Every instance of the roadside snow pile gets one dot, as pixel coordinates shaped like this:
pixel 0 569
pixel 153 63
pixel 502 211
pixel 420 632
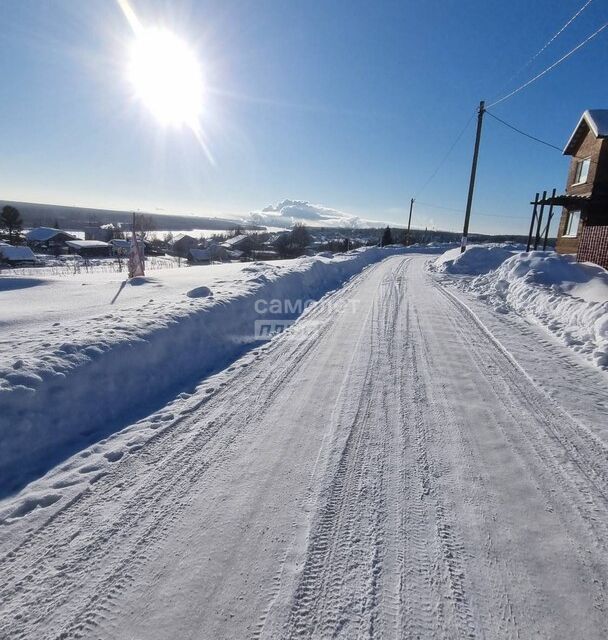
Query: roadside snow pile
pixel 85 358
pixel 477 259
pixel 568 298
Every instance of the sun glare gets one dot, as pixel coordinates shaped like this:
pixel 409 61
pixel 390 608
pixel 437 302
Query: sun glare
pixel 167 77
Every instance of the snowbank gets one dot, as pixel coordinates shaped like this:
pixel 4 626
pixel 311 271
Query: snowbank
pixel 568 298
pixel 477 259
pixel 64 384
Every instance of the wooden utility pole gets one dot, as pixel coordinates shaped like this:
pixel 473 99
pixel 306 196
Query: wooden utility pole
pixel 409 223
pixel 467 215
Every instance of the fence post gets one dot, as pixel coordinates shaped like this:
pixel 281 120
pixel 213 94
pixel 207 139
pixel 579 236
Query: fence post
pixel 539 221
pixel 549 218
pixel 532 223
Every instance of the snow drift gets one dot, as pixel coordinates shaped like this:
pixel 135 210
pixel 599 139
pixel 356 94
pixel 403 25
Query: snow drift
pixel 568 298
pixel 107 371
pixel 477 259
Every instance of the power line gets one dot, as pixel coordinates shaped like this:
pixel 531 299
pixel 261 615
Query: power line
pixel 485 215
pixel 547 44
pixel 445 157
pixel 528 135
pixel 549 68
pixel 523 133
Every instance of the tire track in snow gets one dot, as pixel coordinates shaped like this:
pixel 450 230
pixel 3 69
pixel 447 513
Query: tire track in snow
pixel 533 424
pixel 448 497
pixel 113 548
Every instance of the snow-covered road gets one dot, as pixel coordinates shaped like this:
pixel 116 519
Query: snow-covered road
pixel 388 468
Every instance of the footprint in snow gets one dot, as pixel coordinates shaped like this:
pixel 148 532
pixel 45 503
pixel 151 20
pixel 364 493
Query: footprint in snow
pixel 162 417
pixel 89 468
pixel 62 484
pixel 97 477
pixel 113 456
pixel 34 502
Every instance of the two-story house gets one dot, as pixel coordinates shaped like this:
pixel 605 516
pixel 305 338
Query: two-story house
pixel 583 228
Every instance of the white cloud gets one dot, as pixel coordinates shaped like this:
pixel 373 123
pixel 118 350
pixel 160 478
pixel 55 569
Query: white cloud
pixel 288 212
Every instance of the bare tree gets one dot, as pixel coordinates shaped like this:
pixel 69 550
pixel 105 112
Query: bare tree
pixel 146 226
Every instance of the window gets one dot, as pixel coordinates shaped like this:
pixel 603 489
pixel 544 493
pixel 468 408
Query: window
pixel 571 230
pixel 582 171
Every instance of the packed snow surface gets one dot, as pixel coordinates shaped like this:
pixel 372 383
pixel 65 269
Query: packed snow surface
pixel 568 298
pixel 80 357
pixel 402 462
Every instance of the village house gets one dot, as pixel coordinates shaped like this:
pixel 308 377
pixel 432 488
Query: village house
pixel 119 247
pixel 213 252
pixel 16 256
pixel 104 232
pixel 181 244
pixel 242 243
pixel 88 248
pixel 48 239
pixel 583 227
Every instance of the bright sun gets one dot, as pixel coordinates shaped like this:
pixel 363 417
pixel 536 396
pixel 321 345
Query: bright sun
pixel 167 77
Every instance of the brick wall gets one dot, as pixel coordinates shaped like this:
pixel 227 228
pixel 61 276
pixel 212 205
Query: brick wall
pixel 567 244
pixel 590 147
pixel 597 150
pixel 593 245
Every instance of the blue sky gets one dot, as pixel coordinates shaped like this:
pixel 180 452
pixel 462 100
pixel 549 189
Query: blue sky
pixel 348 104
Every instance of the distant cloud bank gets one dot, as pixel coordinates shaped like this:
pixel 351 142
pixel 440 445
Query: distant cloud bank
pixel 288 212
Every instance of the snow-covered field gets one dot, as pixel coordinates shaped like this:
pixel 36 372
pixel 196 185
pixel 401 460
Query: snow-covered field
pixel 84 356
pixel 69 266
pixel 566 297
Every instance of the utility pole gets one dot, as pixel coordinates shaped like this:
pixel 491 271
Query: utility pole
pixel 467 215
pixel 409 223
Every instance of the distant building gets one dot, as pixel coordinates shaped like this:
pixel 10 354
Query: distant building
pixel 89 248
pixel 241 242
pixel 213 252
pixel 103 233
pixel 583 228
pixel 17 256
pixel 119 247
pixel 48 239
pixel 181 244
pixel 265 253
